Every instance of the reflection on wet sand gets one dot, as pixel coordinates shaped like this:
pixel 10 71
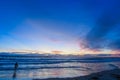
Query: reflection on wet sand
pixel 104 75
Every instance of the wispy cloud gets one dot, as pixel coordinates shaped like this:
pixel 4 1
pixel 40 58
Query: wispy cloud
pixel 57 52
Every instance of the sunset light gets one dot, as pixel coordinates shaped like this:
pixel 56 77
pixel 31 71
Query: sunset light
pixel 59 39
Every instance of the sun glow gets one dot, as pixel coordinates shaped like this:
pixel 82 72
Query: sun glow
pixel 72 52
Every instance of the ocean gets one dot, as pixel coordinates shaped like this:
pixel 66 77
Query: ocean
pixel 33 67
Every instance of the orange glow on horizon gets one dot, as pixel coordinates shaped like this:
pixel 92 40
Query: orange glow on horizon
pixel 57 52
pixel 79 52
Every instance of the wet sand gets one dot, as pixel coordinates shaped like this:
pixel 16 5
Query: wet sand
pixel 104 75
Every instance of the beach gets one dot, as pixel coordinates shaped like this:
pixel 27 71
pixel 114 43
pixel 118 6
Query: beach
pixel 59 39
pixel 104 75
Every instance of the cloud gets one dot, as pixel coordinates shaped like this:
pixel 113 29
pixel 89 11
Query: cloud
pixel 115 45
pixel 97 37
pixel 54 40
pixel 57 52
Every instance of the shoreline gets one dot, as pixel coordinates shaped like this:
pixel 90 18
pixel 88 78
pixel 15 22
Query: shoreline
pixel 104 75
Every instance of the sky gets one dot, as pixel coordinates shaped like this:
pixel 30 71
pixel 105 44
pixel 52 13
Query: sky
pixel 60 26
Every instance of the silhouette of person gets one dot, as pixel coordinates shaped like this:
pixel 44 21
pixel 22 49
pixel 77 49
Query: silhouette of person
pixel 15 68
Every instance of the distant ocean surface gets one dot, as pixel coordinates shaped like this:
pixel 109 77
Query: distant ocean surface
pixel 32 67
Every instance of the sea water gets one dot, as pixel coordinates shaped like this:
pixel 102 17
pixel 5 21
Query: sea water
pixel 39 68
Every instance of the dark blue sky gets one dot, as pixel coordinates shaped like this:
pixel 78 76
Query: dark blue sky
pixel 69 26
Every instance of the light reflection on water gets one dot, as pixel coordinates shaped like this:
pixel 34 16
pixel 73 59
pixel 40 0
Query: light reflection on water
pixel 77 69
